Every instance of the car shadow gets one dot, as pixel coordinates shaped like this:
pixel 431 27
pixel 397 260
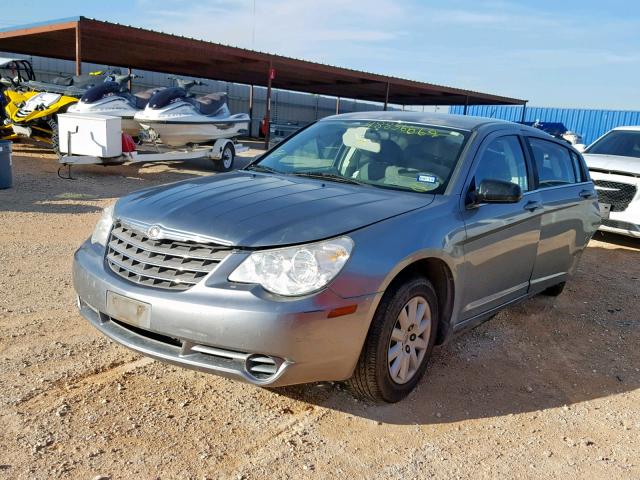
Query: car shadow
pixel 543 353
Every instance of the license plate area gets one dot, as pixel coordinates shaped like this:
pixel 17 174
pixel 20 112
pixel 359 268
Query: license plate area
pixel 605 210
pixel 128 310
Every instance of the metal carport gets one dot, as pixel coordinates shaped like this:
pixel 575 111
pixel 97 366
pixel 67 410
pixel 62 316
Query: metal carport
pixel 82 39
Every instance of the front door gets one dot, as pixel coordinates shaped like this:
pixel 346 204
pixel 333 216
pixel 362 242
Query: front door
pixel 502 239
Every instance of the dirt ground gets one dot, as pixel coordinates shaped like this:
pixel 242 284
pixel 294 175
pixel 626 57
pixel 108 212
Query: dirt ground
pixel 548 389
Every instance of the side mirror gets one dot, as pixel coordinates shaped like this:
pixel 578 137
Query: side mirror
pixel 581 147
pixel 498 191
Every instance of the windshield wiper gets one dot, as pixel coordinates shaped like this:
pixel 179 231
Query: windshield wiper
pixel 261 168
pixel 328 176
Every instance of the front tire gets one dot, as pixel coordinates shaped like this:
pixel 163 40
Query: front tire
pixel 399 343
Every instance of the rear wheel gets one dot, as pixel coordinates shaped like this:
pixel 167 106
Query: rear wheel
pixel 399 343
pixel 225 163
pixel 554 290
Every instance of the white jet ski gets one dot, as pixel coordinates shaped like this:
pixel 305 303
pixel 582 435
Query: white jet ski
pixel 176 118
pixel 114 99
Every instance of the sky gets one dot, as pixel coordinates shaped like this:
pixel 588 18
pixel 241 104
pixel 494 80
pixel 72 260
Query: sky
pixel 583 54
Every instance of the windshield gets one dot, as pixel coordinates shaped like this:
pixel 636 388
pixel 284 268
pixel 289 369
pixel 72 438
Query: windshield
pixel 17 71
pixel 400 155
pixel 618 142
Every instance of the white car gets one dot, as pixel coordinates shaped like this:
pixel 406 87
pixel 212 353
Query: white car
pixel 614 164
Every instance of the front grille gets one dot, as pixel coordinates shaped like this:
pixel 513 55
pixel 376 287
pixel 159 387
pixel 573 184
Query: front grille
pixel 168 264
pixel 617 194
pixel 158 337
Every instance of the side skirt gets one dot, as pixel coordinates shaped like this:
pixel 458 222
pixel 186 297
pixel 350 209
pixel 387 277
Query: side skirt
pixel 483 317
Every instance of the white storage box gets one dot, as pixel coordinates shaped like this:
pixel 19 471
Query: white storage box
pixel 92 135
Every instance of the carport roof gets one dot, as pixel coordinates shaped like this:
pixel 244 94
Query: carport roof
pixel 95 41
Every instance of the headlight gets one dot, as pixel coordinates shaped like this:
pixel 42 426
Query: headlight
pixel 103 227
pixel 295 270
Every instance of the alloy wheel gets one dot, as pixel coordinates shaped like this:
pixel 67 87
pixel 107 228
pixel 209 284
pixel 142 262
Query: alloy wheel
pixel 409 340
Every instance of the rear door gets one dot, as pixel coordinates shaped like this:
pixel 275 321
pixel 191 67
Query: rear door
pixel 502 239
pixel 569 211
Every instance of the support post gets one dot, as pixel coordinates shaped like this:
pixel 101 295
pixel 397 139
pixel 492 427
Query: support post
pixel 250 110
pixel 386 97
pixel 524 111
pixel 466 105
pixel 130 82
pixel 337 105
pixel 267 116
pixel 78 50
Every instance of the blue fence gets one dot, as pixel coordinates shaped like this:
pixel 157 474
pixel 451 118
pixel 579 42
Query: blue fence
pixel 588 123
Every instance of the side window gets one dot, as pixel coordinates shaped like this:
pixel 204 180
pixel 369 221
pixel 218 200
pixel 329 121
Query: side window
pixel 554 164
pixel 577 165
pixel 503 160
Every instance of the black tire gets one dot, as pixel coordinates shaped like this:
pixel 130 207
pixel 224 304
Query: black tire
pixel 554 290
pixel 371 379
pixel 227 159
pixel 55 135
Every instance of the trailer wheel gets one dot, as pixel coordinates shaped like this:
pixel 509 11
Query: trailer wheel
pixel 225 163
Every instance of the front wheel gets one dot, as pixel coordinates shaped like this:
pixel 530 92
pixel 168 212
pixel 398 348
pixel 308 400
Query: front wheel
pixel 225 163
pixel 399 343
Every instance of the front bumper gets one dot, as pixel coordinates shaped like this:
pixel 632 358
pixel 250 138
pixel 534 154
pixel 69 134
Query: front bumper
pixel 626 222
pixel 218 327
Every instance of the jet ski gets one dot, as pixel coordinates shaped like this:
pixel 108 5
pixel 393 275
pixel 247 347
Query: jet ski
pixel 13 72
pixel 114 99
pixel 71 85
pixel 176 118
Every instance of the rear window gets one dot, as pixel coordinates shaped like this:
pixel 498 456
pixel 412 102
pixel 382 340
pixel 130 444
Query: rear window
pixel 554 163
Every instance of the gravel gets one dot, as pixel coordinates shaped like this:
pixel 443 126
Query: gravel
pixel 547 389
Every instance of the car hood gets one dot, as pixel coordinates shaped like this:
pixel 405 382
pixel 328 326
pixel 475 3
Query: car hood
pixel 613 163
pixel 250 209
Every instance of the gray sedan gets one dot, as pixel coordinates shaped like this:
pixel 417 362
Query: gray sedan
pixel 345 253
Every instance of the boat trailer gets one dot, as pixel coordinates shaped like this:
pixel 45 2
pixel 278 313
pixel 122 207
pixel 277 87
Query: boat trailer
pixel 98 140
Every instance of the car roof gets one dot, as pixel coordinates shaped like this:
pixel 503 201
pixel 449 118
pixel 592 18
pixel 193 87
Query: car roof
pixel 463 122
pixel 633 128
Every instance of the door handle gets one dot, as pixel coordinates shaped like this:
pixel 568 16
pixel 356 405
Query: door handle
pixel 586 194
pixel 532 205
